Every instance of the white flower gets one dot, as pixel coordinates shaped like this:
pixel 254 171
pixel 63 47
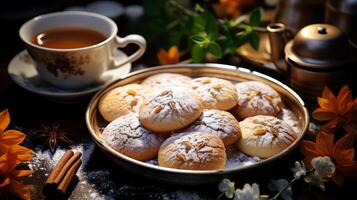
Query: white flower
pixel 248 192
pixel 323 166
pixel 299 170
pixel 279 185
pixel 227 187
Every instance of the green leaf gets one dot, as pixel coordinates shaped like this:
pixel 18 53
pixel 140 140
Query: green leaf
pixel 198 8
pixel 255 17
pixel 215 49
pixel 197 53
pixel 241 38
pixel 199 23
pixel 211 26
pixel 198 38
pixel 237 21
pixel 254 40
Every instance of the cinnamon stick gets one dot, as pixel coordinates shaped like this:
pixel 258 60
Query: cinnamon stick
pixel 50 186
pixel 56 170
pixel 68 177
pixel 62 173
pixel 65 168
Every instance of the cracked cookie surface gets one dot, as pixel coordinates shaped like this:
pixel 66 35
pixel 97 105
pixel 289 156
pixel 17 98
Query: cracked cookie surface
pixel 215 93
pixel 128 137
pixel 167 79
pixel 170 109
pixel 265 136
pixel 193 151
pixel 220 123
pixel 122 100
pixel 256 98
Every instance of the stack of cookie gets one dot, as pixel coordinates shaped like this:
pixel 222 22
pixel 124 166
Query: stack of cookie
pixel 188 123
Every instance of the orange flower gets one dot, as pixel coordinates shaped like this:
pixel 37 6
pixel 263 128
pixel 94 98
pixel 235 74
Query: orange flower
pixel 10 139
pixel 9 175
pixel 172 56
pixel 227 8
pixel 338 110
pixel 231 8
pixel 341 153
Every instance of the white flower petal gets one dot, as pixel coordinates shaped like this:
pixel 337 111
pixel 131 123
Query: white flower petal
pixel 299 170
pixel 227 187
pixel 323 166
pixel 248 192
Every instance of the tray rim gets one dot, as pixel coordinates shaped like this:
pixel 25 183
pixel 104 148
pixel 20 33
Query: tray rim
pixel 234 69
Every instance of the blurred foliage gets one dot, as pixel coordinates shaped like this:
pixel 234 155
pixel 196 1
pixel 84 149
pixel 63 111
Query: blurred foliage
pixel 195 29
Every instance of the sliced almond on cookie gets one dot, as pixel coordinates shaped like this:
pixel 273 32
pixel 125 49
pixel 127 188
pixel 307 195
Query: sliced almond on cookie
pixel 181 156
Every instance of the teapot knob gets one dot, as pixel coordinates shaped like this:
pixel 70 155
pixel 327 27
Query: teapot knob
pixel 321 30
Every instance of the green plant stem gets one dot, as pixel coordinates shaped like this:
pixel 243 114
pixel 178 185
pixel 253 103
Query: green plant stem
pixel 255 28
pixel 220 196
pixel 285 188
pixel 181 8
pixel 243 26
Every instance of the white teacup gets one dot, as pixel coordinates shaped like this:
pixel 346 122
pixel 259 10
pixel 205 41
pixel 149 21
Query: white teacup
pixel 78 67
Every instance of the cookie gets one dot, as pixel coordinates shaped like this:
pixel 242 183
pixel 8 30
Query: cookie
pixel 265 136
pixel 169 109
pixel 193 151
pixel 167 79
pixel 215 93
pixel 126 135
pixel 122 100
pixel 220 123
pixel 256 98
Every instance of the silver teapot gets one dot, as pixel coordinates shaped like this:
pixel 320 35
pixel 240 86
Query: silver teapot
pixel 319 55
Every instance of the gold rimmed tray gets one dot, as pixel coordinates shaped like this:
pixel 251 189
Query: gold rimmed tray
pixel 96 123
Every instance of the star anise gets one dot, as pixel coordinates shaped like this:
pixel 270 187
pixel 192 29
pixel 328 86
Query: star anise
pixel 52 136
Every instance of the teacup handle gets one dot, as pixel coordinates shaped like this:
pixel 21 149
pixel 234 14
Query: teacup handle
pixel 123 42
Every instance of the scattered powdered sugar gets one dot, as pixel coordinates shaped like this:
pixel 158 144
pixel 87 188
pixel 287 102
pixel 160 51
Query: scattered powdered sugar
pixel 44 160
pixel 236 158
pixel 153 162
pixel 92 183
pixel 100 182
pixel 182 195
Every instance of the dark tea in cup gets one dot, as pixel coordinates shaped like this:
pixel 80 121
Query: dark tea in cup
pixel 73 49
pixel 68 38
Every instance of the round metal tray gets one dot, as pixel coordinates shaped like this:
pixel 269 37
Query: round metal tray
pixel 96 123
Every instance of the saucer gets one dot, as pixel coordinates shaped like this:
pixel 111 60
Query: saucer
pixel 23 72
pixel 260 57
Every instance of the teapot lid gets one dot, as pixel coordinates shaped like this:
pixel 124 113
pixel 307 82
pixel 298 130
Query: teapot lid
pixel 319 45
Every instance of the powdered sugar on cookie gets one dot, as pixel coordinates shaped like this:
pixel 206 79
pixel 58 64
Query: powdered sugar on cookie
pixel 127 136
pixel 196 150
pixel 220 123
pixel 170 109
pixel 256 98
pixel 215 93
pixel 265 136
